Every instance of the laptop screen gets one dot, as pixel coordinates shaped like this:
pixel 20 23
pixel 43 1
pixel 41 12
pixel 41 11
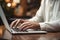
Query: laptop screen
pixel 1 23
pixel 3 17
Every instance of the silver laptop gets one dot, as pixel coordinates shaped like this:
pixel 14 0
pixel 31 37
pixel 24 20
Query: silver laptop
pixel 3 17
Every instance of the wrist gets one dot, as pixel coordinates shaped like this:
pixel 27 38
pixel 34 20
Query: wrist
pixel 42 26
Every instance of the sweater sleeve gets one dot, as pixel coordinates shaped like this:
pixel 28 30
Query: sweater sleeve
pixel 50 26
pixel 39 15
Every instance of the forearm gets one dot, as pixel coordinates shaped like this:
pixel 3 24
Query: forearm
pixel 39 14
pixel 36 19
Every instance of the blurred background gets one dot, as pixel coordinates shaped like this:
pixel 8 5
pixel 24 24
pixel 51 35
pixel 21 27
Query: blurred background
pixel 24 9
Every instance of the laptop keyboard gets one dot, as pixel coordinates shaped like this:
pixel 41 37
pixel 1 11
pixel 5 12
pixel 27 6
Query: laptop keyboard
pixel 17 30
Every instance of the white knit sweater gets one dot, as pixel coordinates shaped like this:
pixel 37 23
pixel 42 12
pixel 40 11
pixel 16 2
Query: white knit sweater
pixel 48 15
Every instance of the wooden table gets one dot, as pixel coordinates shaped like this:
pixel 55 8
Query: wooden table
pixel 1 31
pixel 48 36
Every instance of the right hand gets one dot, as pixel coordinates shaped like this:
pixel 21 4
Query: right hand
pixel 17 22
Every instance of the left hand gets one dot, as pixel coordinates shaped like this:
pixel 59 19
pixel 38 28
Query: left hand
pixel 29 25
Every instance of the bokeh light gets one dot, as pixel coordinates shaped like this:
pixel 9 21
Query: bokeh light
pixel 9 4
pixel 13 4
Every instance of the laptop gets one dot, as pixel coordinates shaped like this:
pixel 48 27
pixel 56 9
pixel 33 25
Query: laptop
pixel 12 31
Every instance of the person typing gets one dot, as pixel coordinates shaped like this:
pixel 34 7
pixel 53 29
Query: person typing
pixel 47 18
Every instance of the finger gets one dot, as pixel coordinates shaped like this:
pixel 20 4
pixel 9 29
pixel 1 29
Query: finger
pixel 13 23
pixel 17 23
pixel 22 26
pixel 22 20
pixel 28 27
pixel 25 26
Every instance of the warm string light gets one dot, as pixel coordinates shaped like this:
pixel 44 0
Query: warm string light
pixel 12 3
pixel 16 1
pixel 9 4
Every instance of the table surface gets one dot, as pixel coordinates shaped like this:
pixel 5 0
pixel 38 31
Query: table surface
pixel 1 31
pixel 48 36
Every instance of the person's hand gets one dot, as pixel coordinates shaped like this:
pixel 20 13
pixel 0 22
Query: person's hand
pixel 29 25
pixel 17 23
